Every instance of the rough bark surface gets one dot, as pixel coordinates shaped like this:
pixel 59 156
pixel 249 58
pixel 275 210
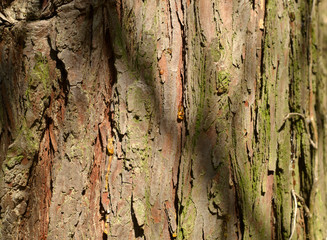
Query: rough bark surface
pixel 133 119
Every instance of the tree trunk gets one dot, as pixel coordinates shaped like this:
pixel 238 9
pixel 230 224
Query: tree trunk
pixel 163 119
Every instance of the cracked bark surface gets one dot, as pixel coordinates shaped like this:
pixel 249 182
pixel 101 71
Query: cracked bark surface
pixel 191 96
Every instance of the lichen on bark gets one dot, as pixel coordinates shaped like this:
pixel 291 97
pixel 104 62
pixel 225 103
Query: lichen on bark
pixel 193 94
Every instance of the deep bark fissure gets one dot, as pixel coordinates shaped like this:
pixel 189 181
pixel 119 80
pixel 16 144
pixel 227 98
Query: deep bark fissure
pixel 183 122
pixel 303 185
pixel 177 200
pixel 262 55
pixel 111 59
pixel 103 213
pixel 240 214
pixel 238 211
pixel 138 230
pixel 280 228
pixel 63 80
pixel 171 22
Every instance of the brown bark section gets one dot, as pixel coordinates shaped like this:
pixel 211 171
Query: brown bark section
pixel 193 96
pixel 56 81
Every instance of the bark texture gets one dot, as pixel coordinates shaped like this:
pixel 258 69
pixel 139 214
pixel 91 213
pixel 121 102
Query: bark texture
pixel 133 119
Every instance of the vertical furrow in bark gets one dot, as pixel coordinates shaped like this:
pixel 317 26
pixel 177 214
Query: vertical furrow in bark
pixel 206 186
pixel 30 154
pixel 303 153
pixel 272 106
pixel 147 41
pixel 56 155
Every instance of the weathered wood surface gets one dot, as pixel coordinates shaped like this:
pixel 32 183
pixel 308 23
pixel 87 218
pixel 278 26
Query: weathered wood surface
pixel 193 96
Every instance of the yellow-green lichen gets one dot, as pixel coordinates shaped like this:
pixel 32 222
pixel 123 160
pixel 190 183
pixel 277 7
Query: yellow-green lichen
pixel 215 50
pixel 188 217
pixel 12 161
pixel 40 74
pixel 223 80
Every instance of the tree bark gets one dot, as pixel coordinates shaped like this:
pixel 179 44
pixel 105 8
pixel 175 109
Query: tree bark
pixel 163 119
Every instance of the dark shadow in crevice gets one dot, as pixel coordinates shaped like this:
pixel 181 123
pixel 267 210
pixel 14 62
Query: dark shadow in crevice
pixel 138 230
pixel 63 83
